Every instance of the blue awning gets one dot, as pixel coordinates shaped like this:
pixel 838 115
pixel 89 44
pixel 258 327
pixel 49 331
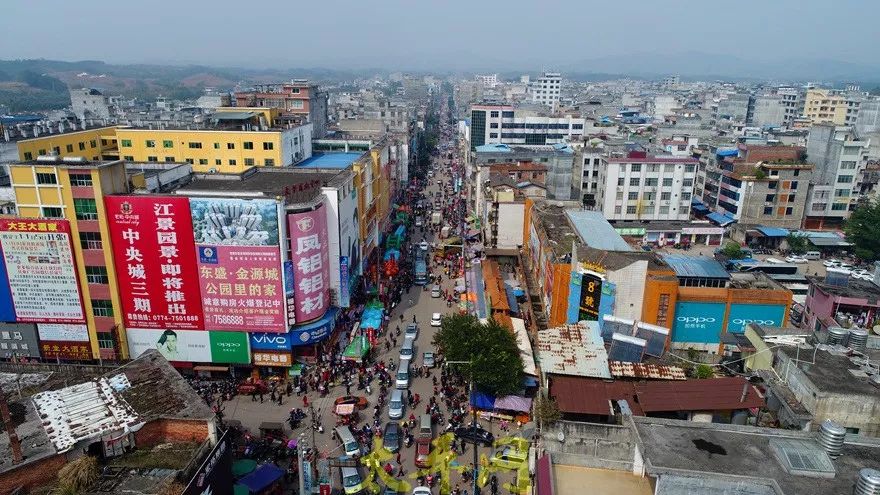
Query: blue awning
pixel 721 220
pixel 696 205
pixel 773 231
pixel 530 381
pixel 727 152
pixel 262 478
pixel 482 401
pixel 511 299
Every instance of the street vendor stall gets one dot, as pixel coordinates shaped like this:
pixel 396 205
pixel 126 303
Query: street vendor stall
pixel 357 349
pixel 508 408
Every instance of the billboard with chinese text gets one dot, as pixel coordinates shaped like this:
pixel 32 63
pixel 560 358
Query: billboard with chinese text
pixel 191 345
pixel 53 349
pixel 63 332
pixel 239 261
pixel 18 340
pixel 698 322
pixel 39 267
pixel 591 295
pixel 311 263
pixel 152 240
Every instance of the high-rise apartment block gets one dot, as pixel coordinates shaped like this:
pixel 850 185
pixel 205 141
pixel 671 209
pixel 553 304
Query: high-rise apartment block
pixel 546 89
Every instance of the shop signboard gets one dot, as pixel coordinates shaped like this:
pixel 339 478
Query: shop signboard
pixel 344 289
pixel 214 476
pixel 288 293
pixel 264 341
pixel 239 263
pixel 591 295
pixel 766 315
pixel 281 359
pixel 311 262
pixel 175 345
pixel 40 270
pixel 698 322
pixel 152 249
pixel 53 349
pixel 315 331
pixel 68 332
pixel 229 347
pixel 18 340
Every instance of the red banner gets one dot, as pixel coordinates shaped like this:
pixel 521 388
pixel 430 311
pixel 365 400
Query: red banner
pixel 311 262
pixel 153 249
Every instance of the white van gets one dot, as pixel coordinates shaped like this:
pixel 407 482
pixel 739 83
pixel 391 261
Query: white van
pixel 348 442
pixel 813 255
pixel 773 260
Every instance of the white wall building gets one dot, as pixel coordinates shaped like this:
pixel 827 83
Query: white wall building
pixel 490 81
pixel 663 105
pixel 641 187
pixel 504 124
pixel 546 89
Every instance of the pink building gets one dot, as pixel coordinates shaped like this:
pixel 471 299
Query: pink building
pixel 855 300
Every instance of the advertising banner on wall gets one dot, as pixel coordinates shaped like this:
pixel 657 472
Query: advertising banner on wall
pixel 311 262
pixel 39 266
pixel 18 340
pixel 698 322
pixel 263 341
pixel 591 294
pixel 239 262
pixel 289 295
pixel 214 476
pixel 7 310
pixel 51 349
pixel 344 289
pixel 767 315
pixel 152 250
pixel 314 331
pixel 68 332
pixel 272 359
pixel 191 345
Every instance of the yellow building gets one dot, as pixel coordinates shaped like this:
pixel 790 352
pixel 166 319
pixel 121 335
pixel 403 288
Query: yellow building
pixel 823 105
pixel 74 190
pixel 232 142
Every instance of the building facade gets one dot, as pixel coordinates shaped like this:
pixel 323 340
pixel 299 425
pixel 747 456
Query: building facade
pixel 505 124
pixel 547 89
pixel 839 157
pixel 643 187
pixel 825 106
pixel 297 100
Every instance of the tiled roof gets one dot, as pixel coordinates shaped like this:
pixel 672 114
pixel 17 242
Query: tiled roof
pixel 623 369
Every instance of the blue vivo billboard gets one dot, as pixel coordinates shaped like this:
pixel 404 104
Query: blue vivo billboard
pixel 264 341
pixel 698 322
pixel 770 315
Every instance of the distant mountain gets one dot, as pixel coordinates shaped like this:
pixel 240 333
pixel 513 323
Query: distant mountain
pixel 700 65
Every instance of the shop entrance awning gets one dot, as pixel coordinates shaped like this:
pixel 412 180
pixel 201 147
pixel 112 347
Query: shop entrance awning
pixel 720 219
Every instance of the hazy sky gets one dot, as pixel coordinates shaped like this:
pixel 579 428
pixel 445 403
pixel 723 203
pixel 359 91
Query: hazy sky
pixel 447 34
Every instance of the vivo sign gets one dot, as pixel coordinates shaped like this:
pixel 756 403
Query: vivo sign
pixel 263 341
pixel 770 315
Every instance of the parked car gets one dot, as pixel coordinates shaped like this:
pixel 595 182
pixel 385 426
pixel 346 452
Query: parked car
pixel 391 437
pixel 435 320
pixel 796 259
pixel 478 434
pixel 412 330
pixel 435 291
pixel 424 245
pixel 830 262
pixel 428 359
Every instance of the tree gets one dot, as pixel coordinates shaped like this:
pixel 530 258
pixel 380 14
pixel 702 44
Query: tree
pixel 733 251
pixel 546 410
pixel 79 475
pixel 704 371
pixel 863 230
pixel 495 365
pixel 797 244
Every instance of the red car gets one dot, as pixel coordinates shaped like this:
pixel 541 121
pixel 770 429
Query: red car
pixel 423 450
pixel 250 386
pixel 358 401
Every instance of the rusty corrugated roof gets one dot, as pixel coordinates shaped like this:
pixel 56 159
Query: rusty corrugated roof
pixel 576 395
pixel 623 369
pixel 573 350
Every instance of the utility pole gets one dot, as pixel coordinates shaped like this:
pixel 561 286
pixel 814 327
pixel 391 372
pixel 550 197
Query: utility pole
pixel 474 425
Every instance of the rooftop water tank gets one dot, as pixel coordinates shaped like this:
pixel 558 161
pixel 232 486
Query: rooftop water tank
pixel 868 483
pixel 858 339
pixel 831 437
pixel 837 335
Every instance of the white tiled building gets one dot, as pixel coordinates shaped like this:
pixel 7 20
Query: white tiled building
pixel 643 187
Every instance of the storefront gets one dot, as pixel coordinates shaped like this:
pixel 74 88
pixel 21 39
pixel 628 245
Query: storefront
pixel 310 341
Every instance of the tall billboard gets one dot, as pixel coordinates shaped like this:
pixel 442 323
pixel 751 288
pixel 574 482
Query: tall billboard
pixel 153 252
pixel 239 264
pixel 591 295
pixel 698 322
pixel 311 263
pixel 39 267
pixel 767 315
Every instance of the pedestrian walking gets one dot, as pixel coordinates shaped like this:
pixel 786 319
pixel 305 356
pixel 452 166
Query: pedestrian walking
pixel 261 397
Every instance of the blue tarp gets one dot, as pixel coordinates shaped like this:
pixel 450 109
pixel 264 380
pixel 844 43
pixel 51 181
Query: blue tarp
pixel 511 299
pixel 482 401
pixel 773 231
pixel 720 219
pixel 262 478
pixel 372 318
pixel 530 381
pixel 728 152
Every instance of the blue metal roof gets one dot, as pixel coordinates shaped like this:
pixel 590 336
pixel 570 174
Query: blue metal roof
pixel 595 231
pixel 720 219
pixel 773 231
pixel 695 266
pixel 330 160
pixel 493 148
pixel 727 152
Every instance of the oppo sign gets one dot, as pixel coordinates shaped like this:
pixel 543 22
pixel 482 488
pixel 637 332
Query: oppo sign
pixel 760 314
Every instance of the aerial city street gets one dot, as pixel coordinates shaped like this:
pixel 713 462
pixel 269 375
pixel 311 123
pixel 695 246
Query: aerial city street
pixel 439 248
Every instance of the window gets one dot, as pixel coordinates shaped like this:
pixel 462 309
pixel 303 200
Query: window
pixel 28 155
pixel 619 195
pixel 770 198
pixel 617 210
pixel 791 198
pixel 667 181
pixel 167 143
pixel 230 146
pixel 128 158
pixel 190 161
pixel 620 181
pixel 838 206
pixel 664 210
pixel 218 162
pixel 90 240
pixel 789 210
pixel 232 162
pixel 152 158
pixel 794 185
pixel 270 162
pixel 93 143
pixel 493 125
pixel 97 275
pixel 493 134
pixel 665 196
pixel 69 148
pixel 689 169
pixel 631 210
pixel 685 196
pixel 195 146
pixel 203 161
pixel 797 172
pixel 684 210
pixel 57 150
pixel 633 196
pixel 267 146
pixel 81 180
pixel 847 165
pixel 85 208
pixel 841 193
pixel 105 340
pixel 82 146
pixel 52 212
pixel 687 182
pixel 649 196
pixel 216 146
pixel 125 143
pixel 507 114
pixel 46 178
pixel 249 162
pixel 493 115
pixel 844 179
pixel 651 181
pixel 635 167
pixel 102 307
pixel 151 143
pixel 248 145
pixel 772 184
pixel 635 181
pixel 768 210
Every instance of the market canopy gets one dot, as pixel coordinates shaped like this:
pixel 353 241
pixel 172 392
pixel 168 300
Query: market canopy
pixel 720 219
pixel 514 403
pixel 262 478
pixel 482 401
pixel 357 349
